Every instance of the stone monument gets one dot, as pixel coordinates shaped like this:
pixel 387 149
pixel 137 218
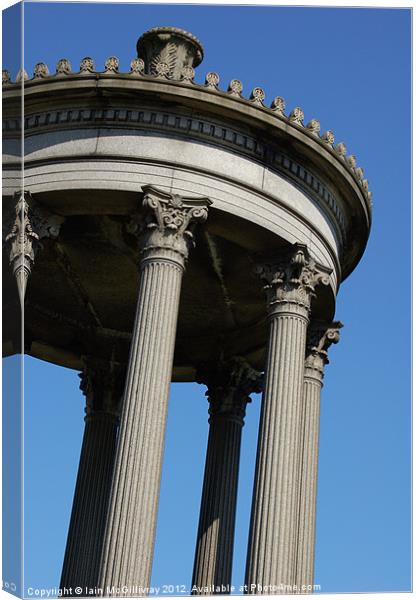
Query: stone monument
pixel 173 231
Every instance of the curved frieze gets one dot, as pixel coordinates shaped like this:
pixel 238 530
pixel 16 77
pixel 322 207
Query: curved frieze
pixel 162 70
pixel 192 127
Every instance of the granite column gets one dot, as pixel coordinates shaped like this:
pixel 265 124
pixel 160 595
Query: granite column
pixel 229 382
pixel 129 540
pixel 102 383
pixel 289 283
pixel 320 337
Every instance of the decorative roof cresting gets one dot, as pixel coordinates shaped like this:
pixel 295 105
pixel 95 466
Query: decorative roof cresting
pixel 171 54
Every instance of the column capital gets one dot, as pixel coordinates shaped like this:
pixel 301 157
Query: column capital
pixel 102 383
pixel 29 224
pixel 169 223
pixel 291 279
pixel 319 339
pixel 230 383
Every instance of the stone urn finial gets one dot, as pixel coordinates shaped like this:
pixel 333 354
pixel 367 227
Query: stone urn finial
pixel 169 46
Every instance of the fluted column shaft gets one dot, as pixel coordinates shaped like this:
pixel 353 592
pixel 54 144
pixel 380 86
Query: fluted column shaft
pixel 273 520
pixel 319 338
pixel 131 524
pixel 229 386
pixel 273 529
pixel 213 559
pixel 309 470
pixel 85 538
pixel 103 387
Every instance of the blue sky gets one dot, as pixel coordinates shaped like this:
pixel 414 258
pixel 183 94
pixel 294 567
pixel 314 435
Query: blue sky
pixel 349 68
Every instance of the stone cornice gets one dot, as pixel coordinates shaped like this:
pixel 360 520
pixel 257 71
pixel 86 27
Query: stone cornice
pixel 194 128
pixel 332 169
pixel 43 82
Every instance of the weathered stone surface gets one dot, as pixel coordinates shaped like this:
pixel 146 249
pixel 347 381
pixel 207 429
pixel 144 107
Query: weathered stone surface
pixel 166 238
pixel 290 286
pixel 320 337
pixel 229 384
pixel 173 48
pixel 31 224
pixel 276 184
pixel 102 383
pixel 192 140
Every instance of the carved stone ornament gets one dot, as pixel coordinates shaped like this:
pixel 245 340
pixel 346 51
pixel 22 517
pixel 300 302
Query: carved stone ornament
pixel 102 383
pixel 174 47
pixel 63 67
pixel 314 126
pixel 297 116
pixel 235 87
pixel 170 220
pixel 22 240
pixel 359 172
pixel 230 383
pixel 161 69
pixel 87 65
pixel 5 77
pixel 328 137
pixel 112 65
pixel 319 339
pixel 292 278
pixel 352 161
pixel 137 66
pixel 31 224
pixel 341 149
pixel 257 96
pixel 212 80
pixel 187 74
pixel 41 70
pixel 21 76
pixel 278 105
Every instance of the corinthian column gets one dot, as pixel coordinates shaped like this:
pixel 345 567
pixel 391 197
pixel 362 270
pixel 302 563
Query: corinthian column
pixel 229 385
pixel 129 541
pixel 102 383
pixel 290 285
pixel 320 337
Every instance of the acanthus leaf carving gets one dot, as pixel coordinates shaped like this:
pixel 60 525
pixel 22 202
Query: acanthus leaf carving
pixel 102 383
pixel 229 385
pixel 320 337
pixel 170 220
pixel 31 224
pixel 168 56
pixel 293 277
